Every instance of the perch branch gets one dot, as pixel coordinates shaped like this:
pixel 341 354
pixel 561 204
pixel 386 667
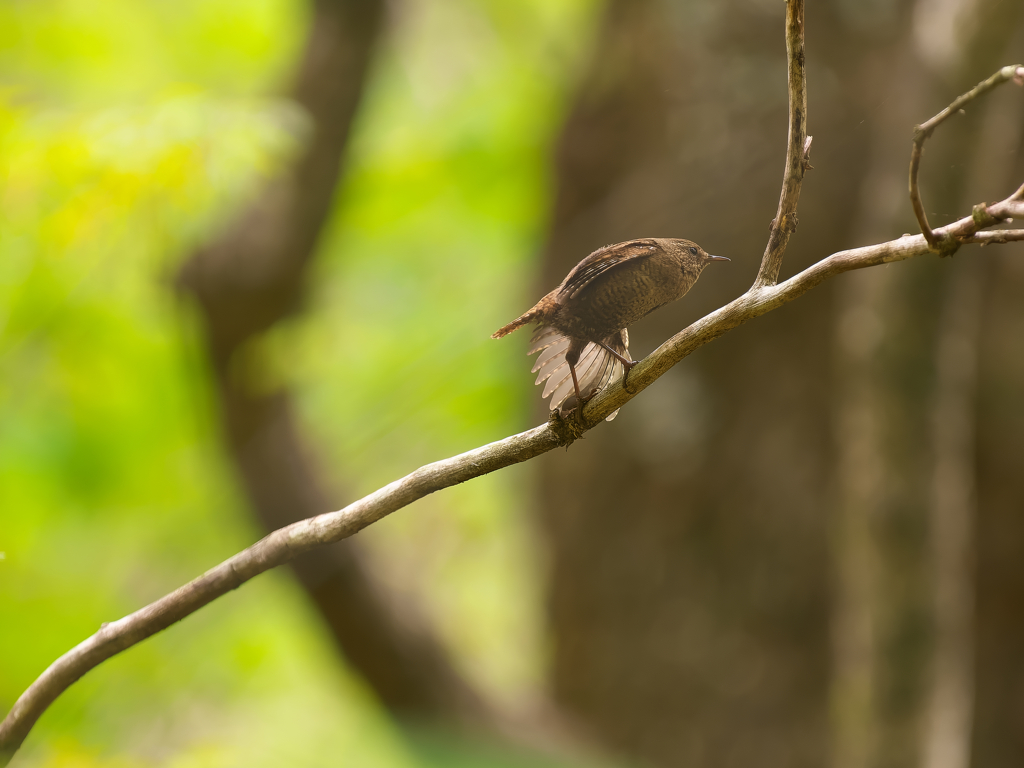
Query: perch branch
pixel 286 543
pixel 922 132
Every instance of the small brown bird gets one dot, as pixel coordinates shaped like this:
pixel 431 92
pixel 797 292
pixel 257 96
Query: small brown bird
pixel 582 336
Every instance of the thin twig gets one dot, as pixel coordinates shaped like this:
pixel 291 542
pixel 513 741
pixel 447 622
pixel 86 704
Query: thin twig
pixel 923 131
pixel 995 236
pixel 797 150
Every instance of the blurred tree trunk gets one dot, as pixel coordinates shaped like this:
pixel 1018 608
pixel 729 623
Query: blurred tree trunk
pixel 747 548
pixel 880 341
pixel 997 737
pixel 246 280
pixel 905 345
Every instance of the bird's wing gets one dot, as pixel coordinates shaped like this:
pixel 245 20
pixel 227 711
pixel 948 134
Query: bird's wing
pixel 595 370
pixel 603 261
pixel 543 338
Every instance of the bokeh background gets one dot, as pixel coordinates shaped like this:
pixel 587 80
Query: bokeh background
pixel 250 257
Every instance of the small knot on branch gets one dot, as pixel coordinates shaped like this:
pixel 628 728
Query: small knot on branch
pixel 567 430
pixel 945 244
pixel 982 218
pixel 787 227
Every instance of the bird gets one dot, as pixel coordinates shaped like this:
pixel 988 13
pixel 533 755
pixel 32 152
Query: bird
pixel 581 334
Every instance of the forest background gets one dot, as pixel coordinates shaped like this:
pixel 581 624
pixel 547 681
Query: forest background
pixel 747 565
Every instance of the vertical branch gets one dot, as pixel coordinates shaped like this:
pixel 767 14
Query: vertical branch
pixel 797 151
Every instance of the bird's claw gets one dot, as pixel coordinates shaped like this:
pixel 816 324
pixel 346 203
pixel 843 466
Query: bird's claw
pixel 625 374
pixel 573 405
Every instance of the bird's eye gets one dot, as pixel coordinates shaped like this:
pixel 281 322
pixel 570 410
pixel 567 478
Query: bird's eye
pixel 693 250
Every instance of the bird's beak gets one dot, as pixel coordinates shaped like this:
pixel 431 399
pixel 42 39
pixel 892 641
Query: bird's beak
pixel 719 258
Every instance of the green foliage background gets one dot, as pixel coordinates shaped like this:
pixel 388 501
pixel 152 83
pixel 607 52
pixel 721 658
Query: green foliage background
pixel 129 130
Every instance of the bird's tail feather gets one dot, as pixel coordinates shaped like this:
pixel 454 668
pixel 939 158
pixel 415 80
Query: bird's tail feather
pixel 596 368
pixel 536 313
pixel 516 324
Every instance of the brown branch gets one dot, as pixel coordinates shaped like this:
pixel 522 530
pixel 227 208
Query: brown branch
pixel 799 146
pixel 286 543
pixel 923 131
pixel 995 236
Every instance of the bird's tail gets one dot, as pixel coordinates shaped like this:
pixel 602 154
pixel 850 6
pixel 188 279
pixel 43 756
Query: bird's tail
pixel 596 368
pixel 536 313
pixel 516 324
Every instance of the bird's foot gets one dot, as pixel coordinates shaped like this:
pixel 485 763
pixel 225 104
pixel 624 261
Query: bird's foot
pixel 572 410
pixel 625 375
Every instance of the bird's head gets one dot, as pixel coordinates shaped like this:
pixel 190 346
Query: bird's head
pixel 691 254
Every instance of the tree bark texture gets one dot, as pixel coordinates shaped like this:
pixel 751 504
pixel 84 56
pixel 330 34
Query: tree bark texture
pixel 742 562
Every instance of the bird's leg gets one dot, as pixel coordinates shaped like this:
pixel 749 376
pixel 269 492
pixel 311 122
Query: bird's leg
pixel 572 356
pixel 626 362
pixel 576 386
